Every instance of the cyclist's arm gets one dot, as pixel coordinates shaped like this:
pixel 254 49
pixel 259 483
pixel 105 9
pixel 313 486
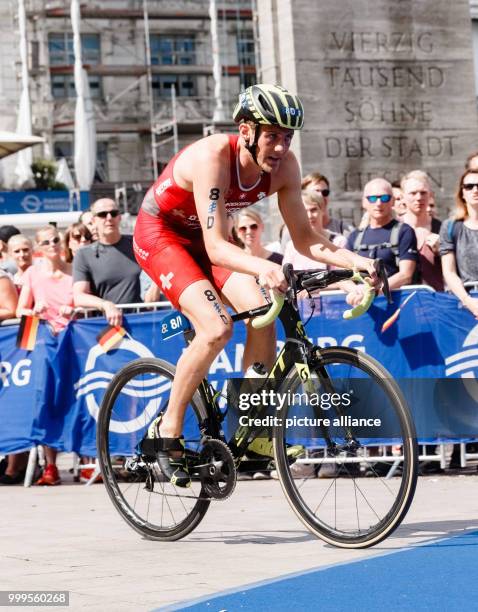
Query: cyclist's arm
pixel 209 193
pixel 308 242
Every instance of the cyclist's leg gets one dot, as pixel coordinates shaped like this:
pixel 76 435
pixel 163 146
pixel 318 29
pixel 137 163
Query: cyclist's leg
pixel 243 293
pixel 182 270
pixel 213 327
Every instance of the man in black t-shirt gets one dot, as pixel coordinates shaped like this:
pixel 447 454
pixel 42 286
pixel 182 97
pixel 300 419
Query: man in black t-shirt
pixel 105 273
pixel 397 247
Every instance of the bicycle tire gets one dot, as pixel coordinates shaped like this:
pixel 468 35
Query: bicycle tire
pixel 309 495
pixel 136 394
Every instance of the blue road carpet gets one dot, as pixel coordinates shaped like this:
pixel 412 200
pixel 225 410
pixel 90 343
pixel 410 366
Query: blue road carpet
pixel 439 575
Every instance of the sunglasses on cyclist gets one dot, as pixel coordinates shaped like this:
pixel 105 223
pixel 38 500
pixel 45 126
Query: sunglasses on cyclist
pixel 384 198
pixel 325 192
pixel 243 228
pixel 104 213
pixel 469 186
pixel 54 240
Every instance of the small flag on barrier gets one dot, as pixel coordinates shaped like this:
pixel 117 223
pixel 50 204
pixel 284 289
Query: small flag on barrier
pixel 391 320
pixel 27 332
pixel 110 337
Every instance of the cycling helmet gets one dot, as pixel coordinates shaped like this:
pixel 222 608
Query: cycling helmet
pixel 265 104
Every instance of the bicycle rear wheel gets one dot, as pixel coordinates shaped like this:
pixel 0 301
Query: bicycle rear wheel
pixel 151 505
pixel 366 474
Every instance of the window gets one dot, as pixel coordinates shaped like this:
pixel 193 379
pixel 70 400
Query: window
pixel 173 50
pixel 162 83
pixel 60 50
pixel 176 50
pixel 245 48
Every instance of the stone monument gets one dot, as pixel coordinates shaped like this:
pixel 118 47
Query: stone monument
pixel 388 87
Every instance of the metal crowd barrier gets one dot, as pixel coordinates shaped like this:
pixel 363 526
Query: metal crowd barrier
pixel 440 456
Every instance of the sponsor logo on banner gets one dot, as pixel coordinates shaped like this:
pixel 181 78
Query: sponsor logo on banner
pixel 31 203
pixel 18 374
pixel 94 382
pixel 465 363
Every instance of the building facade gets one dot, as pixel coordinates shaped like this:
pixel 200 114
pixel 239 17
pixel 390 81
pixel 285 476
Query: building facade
pixel 130 94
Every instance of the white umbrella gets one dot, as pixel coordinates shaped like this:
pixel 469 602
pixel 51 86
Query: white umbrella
pixel 63 174
pixel 85 130
pixel 23 171
pixel 11 142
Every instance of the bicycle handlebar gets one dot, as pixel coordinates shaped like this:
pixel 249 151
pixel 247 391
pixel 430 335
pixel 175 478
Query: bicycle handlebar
pixel 272 314
pixel 321 279
pixel 368 297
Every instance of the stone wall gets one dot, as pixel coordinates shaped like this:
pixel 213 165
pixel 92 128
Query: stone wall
pixel 388 87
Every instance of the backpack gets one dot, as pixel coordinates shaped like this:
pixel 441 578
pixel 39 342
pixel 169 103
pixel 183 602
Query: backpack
pixel 392 244
pixel 453 230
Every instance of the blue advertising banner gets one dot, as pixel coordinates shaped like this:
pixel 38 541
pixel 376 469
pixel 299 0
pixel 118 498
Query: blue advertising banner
pixel 52 394
pixel 14 202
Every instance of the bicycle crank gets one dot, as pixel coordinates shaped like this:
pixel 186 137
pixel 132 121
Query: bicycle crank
pixel 217 469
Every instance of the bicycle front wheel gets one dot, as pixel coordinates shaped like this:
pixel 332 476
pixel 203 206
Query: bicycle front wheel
pixel 355 479
pixel 151 505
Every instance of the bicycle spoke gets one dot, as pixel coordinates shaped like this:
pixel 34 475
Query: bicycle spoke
pixel 155 507
pixel 346 505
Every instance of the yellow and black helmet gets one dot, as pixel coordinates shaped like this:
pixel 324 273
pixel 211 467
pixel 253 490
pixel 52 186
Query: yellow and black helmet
pixel 269 105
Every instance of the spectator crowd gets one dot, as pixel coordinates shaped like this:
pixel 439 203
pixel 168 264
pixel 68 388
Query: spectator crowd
pixel 92 265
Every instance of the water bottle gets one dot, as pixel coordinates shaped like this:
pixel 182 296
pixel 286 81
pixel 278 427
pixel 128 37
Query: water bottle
pixel 256 370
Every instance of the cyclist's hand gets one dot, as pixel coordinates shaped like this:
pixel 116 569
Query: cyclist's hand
pixel 272 278
pixel 368 266
pixel 113 314
pixel 355 295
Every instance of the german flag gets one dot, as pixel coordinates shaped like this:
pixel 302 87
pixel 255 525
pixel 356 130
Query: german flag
pixel 27 333
pixel 110 337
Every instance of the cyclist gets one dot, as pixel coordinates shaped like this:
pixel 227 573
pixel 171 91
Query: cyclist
pixel 181 241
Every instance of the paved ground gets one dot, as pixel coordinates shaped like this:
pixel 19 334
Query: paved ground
pixel 70 538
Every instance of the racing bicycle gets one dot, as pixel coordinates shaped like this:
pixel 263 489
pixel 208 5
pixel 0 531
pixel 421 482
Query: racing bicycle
pixel 358 416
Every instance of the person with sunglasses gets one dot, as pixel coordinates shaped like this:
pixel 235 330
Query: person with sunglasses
pixel 384 236
pixel 105 273
pixel 47 292
pixel 249 228
pixel 47 288
pixel 459 242
pixel 320 183
pixel 181 240
pixel 77 235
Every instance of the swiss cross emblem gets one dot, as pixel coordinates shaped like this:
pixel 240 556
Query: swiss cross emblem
pixel 177 212
pixel 242 196
pixel 166 280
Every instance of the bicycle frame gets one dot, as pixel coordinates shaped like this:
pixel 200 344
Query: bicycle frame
pixel 297 353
